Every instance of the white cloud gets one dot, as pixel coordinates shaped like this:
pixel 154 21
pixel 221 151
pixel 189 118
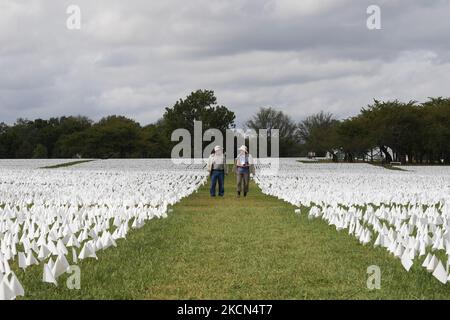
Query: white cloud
pixel 136 58
pixel 296 8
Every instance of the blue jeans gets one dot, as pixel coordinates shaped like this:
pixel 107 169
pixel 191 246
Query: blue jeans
pixel 217 176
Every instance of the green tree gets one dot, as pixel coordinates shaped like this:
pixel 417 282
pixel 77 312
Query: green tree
pixel 71 145
pixel 394 125
pixel 270 119
pixel 354 139
pixel 113 137
pixel 155 141
pixel 319 134
pixel 436 134
pixel 70 135
pixel 200 105
pixel 40 152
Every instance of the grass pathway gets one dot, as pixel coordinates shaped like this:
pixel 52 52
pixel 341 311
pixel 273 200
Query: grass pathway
pixel 67 164
pixel 230 248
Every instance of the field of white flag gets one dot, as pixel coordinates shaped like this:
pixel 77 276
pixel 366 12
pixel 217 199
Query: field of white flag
pixel 52 218
pixel 406 212
pixel 55 217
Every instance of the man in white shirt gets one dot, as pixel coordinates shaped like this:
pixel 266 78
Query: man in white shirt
pixel 217 167
pixel 244 166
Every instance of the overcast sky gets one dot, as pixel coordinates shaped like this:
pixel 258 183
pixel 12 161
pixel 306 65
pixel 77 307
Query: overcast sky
pixel 136 57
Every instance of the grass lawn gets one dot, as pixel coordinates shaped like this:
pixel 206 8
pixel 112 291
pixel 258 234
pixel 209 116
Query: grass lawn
pixel 387 166
pixel 66 164
pixel 230 248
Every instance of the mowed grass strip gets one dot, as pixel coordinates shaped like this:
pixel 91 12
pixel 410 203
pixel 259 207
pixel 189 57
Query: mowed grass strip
pixel 67 164
pixel 230 248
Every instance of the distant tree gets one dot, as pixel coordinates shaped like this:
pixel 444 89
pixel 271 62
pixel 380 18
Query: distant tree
pixel 436 134
pixel 69 141
pixel 25 150
pixel 319 133
pixel 200 105
pixel 414 132
pixel 394 125
pixel 113 137
pixel 40 152
pixel 71 145
pixel 270 119
pixel 155 141
pixel 353 138
pixel 4 143
pixel 70 125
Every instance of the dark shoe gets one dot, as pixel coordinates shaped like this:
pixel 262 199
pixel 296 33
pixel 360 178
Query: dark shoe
pixel 238 194
pixel 245 194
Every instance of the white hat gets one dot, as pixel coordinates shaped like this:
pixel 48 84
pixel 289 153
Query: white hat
pixel 243 148
pixel 217 148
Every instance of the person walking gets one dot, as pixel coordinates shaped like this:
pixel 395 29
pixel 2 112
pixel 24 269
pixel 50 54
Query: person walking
pixel 217 167
pixel 244 166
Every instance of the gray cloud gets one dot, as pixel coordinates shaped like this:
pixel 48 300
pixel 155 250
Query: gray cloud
pixel 137 57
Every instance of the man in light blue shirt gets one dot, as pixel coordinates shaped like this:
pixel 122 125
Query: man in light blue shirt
pixel 244 166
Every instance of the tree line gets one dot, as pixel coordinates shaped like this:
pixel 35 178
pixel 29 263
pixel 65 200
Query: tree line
pixel 113 136
pixel 405 132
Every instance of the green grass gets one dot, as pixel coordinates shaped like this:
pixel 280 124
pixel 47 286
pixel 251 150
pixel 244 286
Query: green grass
pixel 313 161
pixel 230 248
pixel 377 164
pixel 66 164
pixel 391 167
pixel 387 166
